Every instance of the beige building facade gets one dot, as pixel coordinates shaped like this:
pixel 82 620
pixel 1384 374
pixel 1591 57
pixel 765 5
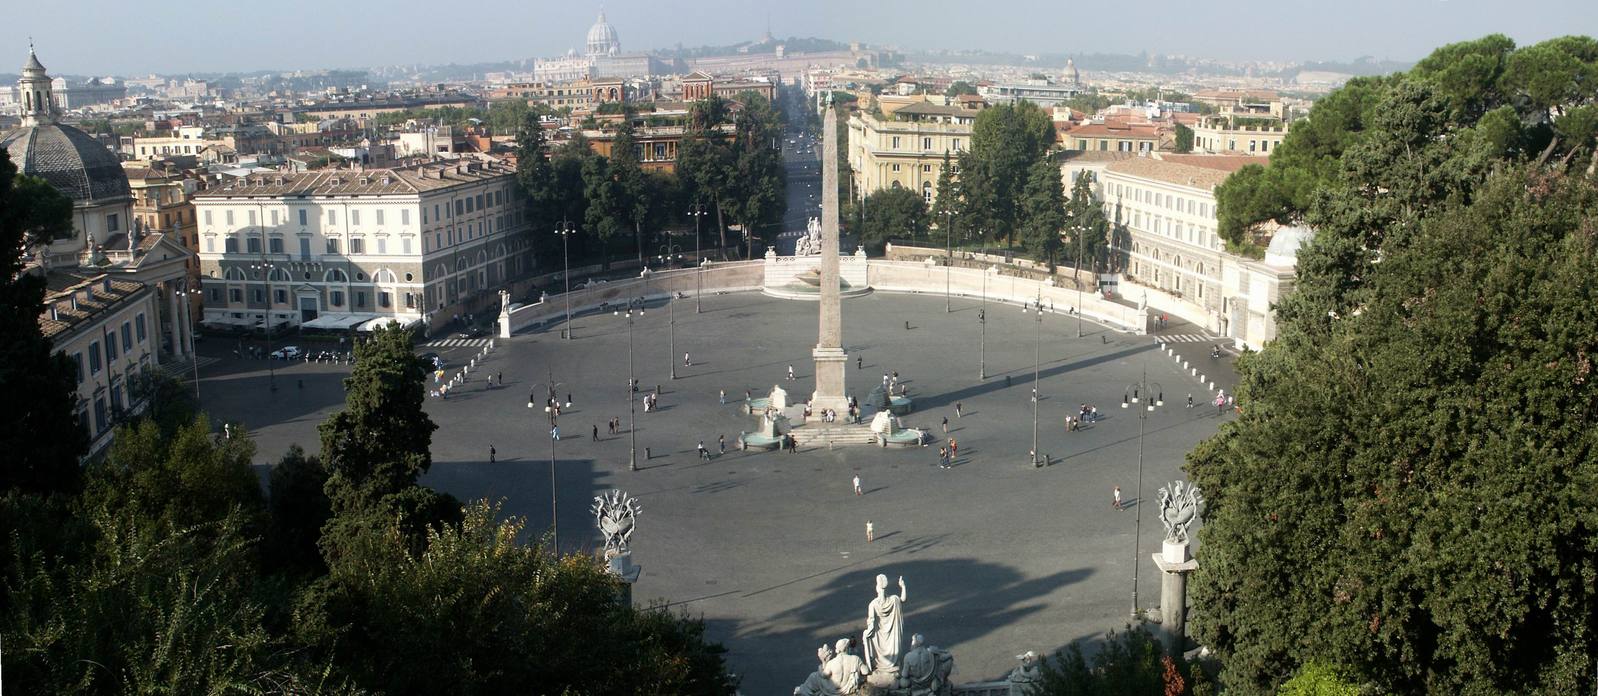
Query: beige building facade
pixel 106 326
pixel 416 244
pixel 1237 135
pixel 1174 260
pixel 907 149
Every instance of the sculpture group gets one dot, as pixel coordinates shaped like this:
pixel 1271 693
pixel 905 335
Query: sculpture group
pixel 922 671
pixel 810 244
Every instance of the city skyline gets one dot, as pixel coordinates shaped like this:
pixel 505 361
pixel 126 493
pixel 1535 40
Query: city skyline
pixel 110 38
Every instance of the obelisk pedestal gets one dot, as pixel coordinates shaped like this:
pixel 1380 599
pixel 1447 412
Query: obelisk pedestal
pixel 829 355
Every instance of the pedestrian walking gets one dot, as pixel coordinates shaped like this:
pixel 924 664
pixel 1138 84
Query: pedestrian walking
pixel 721 444
pixel 748 396
pixel 703 453
pixel 554 432
pixel 859 362
pixel 1190 400
pixel 685 361
pixel 596 432
pixel 954 449
pixel 490 454
pixel 724 397
pixel 1220 404
pixel 943 457
pixel 945 425
pixel 1117 503
pixel 959 410
pixel 500 377
pixel 857 484
pixel 871 532
pixel 790 373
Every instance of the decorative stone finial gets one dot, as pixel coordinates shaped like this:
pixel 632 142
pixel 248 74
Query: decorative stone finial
pixel 1179 510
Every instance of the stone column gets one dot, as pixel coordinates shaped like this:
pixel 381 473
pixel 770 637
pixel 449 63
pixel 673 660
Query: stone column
pixel 180 346
pixel 829 355
pixel 1175 561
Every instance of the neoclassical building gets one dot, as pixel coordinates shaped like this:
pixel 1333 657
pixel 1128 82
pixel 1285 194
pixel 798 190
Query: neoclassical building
pixel 345 249
pixel 114 301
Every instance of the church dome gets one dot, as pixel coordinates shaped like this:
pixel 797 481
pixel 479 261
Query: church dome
pixel 69 159
pixel 1285 245
pixel 602 39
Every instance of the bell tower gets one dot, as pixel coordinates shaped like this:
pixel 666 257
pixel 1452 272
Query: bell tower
pixel 33 88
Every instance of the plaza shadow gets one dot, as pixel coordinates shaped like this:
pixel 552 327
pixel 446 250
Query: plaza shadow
pixel 931 401
pixel 953 602
pixel 521 487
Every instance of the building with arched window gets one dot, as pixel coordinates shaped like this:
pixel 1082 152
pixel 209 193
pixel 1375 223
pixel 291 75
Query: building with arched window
pixel 415 244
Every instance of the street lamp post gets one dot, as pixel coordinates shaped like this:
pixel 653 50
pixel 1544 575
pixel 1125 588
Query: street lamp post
pixel 948 259
pixel 699 254
pixel 632 384
pixel 982 319
pixel 268 268
pixel 550 385
pixel 566 231
pixel 667 257
pixel 1133 394
pixel 1079 229
pixel 186 295
pixel 1037 352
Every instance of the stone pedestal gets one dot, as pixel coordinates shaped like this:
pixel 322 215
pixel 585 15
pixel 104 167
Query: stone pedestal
pixel 1175 561
pixel 621 566
pixel 831 368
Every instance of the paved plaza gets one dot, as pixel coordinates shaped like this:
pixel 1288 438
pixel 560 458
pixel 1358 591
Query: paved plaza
pixel 769 548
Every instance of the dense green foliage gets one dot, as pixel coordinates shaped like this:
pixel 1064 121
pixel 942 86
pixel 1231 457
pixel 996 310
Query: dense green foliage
pixel 1184 139
pixel 1482 101
pixel 1006 141
pixel 1085 222
pixel 895 212
pixel 39 431
pixel 1408 493
pixel 1042 214
pixel 1130 663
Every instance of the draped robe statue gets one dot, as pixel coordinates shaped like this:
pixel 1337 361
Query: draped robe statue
pixel 884 635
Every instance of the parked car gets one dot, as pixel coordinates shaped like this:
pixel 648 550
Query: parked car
pixel 288 353
pixel 471 332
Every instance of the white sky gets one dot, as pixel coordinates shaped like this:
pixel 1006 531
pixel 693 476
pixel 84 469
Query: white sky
pixel 122 37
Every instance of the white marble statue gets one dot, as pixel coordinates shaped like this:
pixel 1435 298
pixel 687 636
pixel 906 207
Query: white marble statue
pixel 1179 510
pixel 884 635
pixel 1026 677
pixel 845 670
pixel 818 684
pixel 926 669
pixel 615 513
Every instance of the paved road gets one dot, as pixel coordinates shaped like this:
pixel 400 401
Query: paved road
pixel 804 188
pixel 769 548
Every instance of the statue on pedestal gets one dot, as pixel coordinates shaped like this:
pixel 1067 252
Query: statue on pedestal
pixel 615 513
pixel 845 671
pixel 884 635
pixel 818 684
pixel 926 669
pixel 1179 510
pixel 1026 677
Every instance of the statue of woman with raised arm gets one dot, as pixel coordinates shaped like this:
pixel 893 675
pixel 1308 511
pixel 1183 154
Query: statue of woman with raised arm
pixel 884 635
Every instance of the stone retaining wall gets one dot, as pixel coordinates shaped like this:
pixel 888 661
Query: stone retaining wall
pixel 906 276
pixel 736 276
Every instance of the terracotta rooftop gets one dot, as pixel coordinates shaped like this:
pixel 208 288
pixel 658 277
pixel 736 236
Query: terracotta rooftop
pixel 399 180
pixel 1114 129
pixel 1181 173
pixel 73 298
pixel 1224 163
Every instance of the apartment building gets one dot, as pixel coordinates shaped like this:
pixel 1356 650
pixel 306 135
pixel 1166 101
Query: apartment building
pixel 105 324
pixel 1238 134
pixel 1164 209
pixel 906 149
pixel 344 249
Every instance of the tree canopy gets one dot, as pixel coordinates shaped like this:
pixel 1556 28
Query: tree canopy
pixel 1407 493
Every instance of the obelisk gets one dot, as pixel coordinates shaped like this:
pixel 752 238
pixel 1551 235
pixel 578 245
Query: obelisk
pixel 829 355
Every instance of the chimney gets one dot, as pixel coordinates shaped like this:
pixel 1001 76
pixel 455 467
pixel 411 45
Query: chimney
pixel 54 315
pixel 107 283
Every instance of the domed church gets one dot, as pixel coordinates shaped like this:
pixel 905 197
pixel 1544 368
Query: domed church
pixel 602 39
pixel 109 274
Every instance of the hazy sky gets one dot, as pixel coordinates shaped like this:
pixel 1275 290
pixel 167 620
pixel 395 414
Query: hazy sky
pixel 124 37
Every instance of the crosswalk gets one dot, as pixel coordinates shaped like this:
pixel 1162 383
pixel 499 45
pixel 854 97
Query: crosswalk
pixel 457 343
pixel 1185 338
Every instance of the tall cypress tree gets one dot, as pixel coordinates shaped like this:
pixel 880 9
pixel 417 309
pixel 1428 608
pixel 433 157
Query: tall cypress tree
pixel 39 432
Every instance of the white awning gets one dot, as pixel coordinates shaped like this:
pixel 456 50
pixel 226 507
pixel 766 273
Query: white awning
pixel 405 321
pixel 332 321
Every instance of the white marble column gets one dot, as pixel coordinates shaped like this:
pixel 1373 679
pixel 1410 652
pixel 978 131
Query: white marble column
pixel 179 337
